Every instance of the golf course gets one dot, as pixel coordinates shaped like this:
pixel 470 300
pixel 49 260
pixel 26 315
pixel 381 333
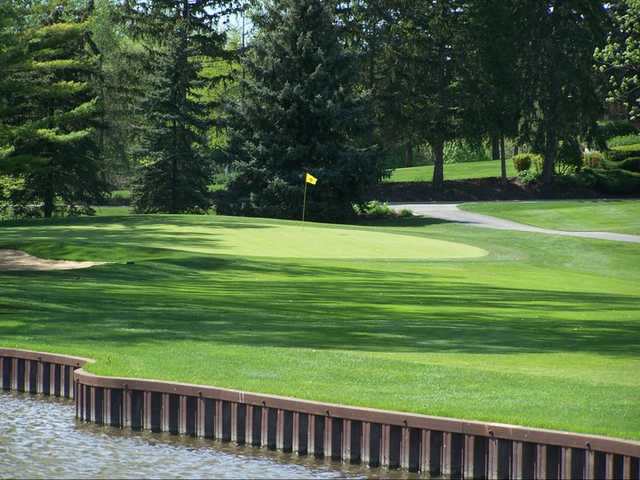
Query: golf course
pixel 415 314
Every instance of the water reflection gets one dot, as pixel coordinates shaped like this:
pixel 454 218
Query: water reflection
pixel 40 437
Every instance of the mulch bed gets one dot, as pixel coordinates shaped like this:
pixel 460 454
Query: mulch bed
pixel 480 189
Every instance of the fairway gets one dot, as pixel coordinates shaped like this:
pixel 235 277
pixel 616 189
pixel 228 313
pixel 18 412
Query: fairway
pixel 621 216
pixel 452 171
pixel 534 330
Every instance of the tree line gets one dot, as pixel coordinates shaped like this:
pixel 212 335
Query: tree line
pixel 181 102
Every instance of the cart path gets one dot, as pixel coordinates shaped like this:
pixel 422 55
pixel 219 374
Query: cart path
pixel 451 213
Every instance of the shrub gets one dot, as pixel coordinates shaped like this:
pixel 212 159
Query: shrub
pixel 624 140
pixel 632 164
pixel 528 176
pixel 569 157
pixel 524 161
pixel 376 210
pixel 460 151
pixel 593 160
pixel 610 182
pixel 622 153
pixel 606 130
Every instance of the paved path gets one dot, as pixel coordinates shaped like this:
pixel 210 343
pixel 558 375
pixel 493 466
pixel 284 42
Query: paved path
pixel 451 212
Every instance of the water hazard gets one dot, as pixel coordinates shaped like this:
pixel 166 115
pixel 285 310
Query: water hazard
pixel 40 437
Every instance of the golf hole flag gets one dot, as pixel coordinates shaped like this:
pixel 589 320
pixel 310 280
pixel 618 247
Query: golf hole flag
pixel 308 179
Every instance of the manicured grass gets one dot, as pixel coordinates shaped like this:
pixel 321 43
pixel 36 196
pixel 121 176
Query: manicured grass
pixel 544 331
pixel 622 216
pixel 453 171
pixel 111 211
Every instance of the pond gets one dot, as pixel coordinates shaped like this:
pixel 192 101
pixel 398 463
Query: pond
pixel 40 437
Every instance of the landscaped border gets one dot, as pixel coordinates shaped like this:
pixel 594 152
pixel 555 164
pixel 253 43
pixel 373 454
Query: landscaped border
pixel 437 445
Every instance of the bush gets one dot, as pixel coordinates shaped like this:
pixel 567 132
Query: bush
pixel 622 153
pixel 623 140
pixel 528 176
pixel 524 161
pixel 631 164
pixel 606 130
pixel 610 182
pixel 569 157
pixel 460 151
pixel 376 210
pixel 593 160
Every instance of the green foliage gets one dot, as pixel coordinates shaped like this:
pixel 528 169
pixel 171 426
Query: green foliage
pixel 569 157
pixel 374 210
pixel 529 176
pixel 631 164
pixel 524 161
pixel 630 147
pixel 460 151
pixel 603 131
pixel 623 152
pixel 49 118
pixel 610 181
pixel 593 159
pixel 9 185
pixel 619 59
pixel 417 73
pixel 174 170
pixel 624 140
pixel 300 111
pixel 559 91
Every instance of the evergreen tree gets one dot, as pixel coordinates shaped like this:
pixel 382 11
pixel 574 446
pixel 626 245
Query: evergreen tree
pixel 50 115
pixel 419 73
pixel 300 111
pixel 559 89
pixel 175 172
pixel 491 73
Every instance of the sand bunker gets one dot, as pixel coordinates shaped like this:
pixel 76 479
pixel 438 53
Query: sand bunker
pixel 11 260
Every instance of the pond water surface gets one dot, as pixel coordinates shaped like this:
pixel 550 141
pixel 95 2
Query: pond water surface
pixel 40 437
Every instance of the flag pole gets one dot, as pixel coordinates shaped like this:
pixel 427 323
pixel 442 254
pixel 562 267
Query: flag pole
pixel 304 201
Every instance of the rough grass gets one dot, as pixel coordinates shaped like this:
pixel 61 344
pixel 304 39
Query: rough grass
pixel 543 331
pixel 621 216
pixel 452 171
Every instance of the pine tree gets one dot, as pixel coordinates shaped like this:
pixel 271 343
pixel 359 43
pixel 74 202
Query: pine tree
pixel 558 86
pixel 175 172
pixel 418 73
pixel 300 111
pixel 50 115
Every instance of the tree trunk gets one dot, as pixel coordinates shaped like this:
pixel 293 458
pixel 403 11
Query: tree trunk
pixel 438 166
pixel 503 160
pixel 49 198
pixel 495 147
pixel 408 154
pixel 551 151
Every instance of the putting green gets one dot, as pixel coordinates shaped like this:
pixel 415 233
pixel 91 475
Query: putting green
pixel 257 239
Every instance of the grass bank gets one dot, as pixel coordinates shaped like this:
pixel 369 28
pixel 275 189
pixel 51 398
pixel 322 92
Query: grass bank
pixel 452 171
pixel 621 216
pixel 499 326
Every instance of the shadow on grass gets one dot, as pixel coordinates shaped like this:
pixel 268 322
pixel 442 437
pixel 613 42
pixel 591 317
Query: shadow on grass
pixel 266 303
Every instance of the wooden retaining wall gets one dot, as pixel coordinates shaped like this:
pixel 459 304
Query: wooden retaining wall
pixel 377 438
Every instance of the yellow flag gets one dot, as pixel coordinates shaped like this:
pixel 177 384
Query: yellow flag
pixel 310 179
